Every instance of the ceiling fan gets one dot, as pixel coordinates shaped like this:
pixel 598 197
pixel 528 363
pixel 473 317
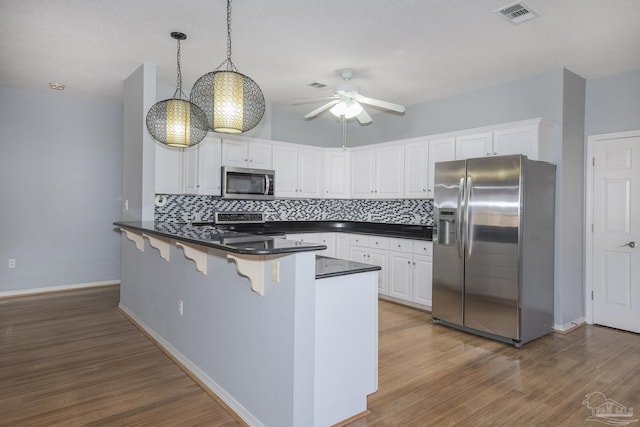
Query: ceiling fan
pixel 347 102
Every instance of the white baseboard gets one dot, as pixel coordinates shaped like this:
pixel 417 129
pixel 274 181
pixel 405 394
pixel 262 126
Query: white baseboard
pixel 570 325
pixel 61 288
pixel 194 370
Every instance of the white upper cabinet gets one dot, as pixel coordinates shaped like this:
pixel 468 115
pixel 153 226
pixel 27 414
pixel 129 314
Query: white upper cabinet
pixel 390 172
pixel 252 153
pixel 474 145
pixel 419 164
pixel 521 139
pixel 298 170
pixel 194 170
pixel 202 167
pixel 337 173
pixel 362 173
pixel 527 137
pixel 440 150
pixel 169 174
pixel 416 159
pixel 377 173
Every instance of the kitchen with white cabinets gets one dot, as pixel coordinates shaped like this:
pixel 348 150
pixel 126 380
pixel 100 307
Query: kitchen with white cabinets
pixel 366 184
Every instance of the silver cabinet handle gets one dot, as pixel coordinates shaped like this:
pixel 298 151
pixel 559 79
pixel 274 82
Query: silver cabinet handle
pixel 630 244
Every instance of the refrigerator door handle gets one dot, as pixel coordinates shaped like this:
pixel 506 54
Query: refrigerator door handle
pixel 459 232
pixel 467 218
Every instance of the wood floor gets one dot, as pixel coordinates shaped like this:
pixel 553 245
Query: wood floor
pixel 72 359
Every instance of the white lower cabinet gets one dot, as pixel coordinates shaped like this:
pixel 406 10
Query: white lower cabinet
pixel 410 264
pixel 372 250
pixel 406 264
pixel 327 239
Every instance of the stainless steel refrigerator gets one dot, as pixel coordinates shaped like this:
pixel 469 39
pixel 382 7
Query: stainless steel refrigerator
pixel 493 247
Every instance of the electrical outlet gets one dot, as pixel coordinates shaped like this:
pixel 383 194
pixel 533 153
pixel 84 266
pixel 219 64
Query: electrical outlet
pixel 180 307
pixel 126 205
pixel 12 263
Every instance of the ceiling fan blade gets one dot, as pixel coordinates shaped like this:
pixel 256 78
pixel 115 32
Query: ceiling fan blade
pixel 321 109
pixel 317 99
pixel 364 117
pixel 382 104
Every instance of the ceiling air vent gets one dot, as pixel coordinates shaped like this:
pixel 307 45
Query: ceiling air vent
pixel 318 85
pixel 516 13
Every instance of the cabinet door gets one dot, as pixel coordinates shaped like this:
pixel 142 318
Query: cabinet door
pixel 470 146
pixel 440 150
pixel 342 245
pixel 415 169
pixel 260 155
pixel 358 254
pixel 381 258
pixel 390 172
pixel 422 279
pixel 169 173
pixel 309 172
pixel 190 167
pixel 400 268
pixel 329 240
pixel 285 164
pixel 234 153
pixel 362 176
pixel 517 140
pixel 209 163
pixel 337 174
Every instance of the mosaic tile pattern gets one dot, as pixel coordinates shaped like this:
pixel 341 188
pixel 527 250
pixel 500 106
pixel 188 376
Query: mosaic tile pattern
pixel 401 211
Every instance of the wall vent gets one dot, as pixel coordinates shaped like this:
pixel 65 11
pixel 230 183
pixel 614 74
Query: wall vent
pixel 318 85
pixel 516 13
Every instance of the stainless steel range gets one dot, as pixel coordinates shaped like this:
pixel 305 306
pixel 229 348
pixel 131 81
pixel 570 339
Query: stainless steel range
pixel 244 222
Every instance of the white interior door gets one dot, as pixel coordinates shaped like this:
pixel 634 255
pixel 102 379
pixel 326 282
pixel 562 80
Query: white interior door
pixel 616 232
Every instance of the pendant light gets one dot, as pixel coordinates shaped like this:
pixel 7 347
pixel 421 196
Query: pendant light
pixel 231 101
pixel 176 121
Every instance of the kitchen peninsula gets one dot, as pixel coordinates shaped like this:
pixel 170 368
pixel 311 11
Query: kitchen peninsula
pixel 283 337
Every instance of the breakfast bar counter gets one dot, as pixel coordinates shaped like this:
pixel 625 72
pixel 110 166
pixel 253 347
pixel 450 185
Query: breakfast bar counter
pixel 282 336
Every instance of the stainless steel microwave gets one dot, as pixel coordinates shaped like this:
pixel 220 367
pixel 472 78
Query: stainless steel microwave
pixel 246 183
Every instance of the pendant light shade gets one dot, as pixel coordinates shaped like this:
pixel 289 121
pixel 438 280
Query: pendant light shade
pixel 231 101
pixel 176 121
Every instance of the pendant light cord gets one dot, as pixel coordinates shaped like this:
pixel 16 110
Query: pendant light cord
pixel 179 93
pixel 230 64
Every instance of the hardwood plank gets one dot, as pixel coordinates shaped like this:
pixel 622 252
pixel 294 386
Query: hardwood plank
pixel 73 359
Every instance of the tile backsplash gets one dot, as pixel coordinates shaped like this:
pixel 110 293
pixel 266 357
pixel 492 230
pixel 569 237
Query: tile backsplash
pixel 399 211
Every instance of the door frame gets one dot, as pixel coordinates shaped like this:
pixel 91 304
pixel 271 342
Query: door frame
pixel 588 224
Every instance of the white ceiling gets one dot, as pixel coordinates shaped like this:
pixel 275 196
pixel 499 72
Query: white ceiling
pixel 403 51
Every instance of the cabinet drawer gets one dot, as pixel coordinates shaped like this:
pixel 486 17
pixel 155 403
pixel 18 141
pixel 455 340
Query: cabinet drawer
pixel 401 245
pixel 379 242
pixel 423 247
pixel 358 240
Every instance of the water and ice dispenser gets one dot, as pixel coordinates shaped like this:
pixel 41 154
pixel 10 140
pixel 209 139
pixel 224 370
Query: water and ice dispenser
pixel 447 226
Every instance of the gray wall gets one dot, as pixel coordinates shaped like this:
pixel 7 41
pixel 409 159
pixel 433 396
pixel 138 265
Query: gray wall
pixel 61 175
pixel 534 96
pixel 569 268
pixel 613 103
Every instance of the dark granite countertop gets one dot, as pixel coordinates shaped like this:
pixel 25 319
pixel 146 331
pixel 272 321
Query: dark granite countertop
pixel 332 267
pixel 405 231
pixel 226 240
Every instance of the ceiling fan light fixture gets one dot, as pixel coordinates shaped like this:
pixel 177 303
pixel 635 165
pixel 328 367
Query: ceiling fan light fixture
pixel 349 109
pixel 231 101
pixel 177 122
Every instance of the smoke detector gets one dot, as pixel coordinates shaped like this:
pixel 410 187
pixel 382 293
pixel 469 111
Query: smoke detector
pixel 516 13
